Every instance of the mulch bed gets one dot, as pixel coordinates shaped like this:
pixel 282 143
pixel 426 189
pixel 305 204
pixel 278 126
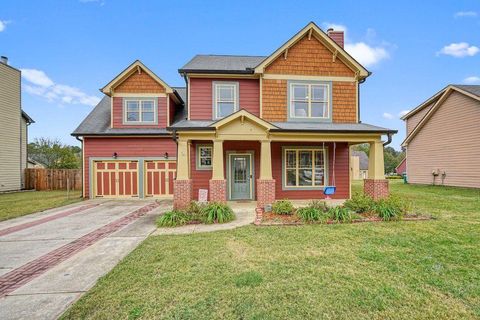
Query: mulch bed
pixel 272 219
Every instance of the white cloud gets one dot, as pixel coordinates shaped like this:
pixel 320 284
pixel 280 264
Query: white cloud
pixel 363 51
pixel 3 25
pixel 365 54
pixel 39 84
pixel 461 14
pixel 472 80
pixel 387 115
pixel 403 112
pixel 459 50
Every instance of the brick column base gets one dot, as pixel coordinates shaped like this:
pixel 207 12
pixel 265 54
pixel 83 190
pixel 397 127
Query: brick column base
pixel 265 192
pixel 182 194
pixel 377 189
pixel 258 216
pixel 218 190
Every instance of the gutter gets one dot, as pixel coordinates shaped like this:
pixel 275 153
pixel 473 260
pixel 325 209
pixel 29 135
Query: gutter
pixel 389 139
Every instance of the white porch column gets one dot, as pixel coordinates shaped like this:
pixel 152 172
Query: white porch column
pixel 183 172
pixel 376 169
pixel 217 160
pixel 265 160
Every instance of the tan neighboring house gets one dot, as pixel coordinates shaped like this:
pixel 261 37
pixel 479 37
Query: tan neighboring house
pixel 13 129
pixel 443 138
pixel 359 165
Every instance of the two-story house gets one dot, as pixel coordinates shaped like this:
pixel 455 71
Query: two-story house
pixel 14 124
pixel 244 128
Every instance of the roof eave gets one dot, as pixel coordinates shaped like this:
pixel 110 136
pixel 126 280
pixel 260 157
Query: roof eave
pixel 215 71
pixel 334 131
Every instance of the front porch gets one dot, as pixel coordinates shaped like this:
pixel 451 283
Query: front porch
pixel 244 158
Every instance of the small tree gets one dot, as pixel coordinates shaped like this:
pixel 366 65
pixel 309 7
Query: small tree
pixel 53 154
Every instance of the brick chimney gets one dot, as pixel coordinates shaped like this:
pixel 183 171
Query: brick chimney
pixel 337 36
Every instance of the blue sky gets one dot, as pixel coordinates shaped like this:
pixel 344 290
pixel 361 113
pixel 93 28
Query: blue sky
pixel 70 49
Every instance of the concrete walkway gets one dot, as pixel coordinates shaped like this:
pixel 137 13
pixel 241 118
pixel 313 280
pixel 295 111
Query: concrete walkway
pixel 49 259
pixel 244 215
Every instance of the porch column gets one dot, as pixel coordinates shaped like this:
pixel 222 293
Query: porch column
pixel 265 183
pixel 376 186
pixel 182 185
pixel 218 184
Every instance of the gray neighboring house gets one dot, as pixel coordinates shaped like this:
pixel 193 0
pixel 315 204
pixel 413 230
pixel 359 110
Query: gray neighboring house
pixel 443 138
pixel 359 165
pixel 13 129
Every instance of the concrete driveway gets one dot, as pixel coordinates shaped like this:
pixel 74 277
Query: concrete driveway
pixel 49 259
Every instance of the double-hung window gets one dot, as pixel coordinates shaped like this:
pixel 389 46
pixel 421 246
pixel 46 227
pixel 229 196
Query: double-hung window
pixel 204 157
pixel 225 99
pixel 141 111
pixel 304 167
pixel 309 100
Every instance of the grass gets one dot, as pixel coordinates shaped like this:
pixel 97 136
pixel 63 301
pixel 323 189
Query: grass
pixel 389 270
pixel 17 204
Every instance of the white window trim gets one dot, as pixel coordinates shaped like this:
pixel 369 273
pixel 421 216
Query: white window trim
pixel 297 150
pixel 139 101
pixel 218 84
pixel 198 154
pixel 309 100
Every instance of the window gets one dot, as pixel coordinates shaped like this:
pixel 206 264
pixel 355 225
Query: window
pixel 304 168
pixel 309 101
pixel 140 111
pixel 204 157
pixel 225 99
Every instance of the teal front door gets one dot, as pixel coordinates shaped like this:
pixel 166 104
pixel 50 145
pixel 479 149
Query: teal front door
pixel 241 176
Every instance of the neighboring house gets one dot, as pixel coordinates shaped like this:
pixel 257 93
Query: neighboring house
pixel 359 165
pixel 13 129
pixel 443 138
pixel 402 167
pixel 244 128
pixel 33 164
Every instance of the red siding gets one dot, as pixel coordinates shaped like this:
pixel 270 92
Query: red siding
pixel 118 114
pixel 342 173
pixel 201 96
pixel 125 147
pixel 171 110
pixel 402 167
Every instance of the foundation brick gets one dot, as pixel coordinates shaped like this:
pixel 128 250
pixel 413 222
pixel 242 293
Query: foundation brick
pixel 265 192
pixel 182 193
pixel 377 189
pixel 218 190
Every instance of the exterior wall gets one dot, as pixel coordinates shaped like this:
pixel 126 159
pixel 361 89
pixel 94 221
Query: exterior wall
pixel 201 96
pixel 355 167
pixel 342 172
pixel 171 111
pixel 117 106
pixel 10 121
pixel 412 121
pixel 309 57
pixel 24 142
pixel 449 142
pixel 139 83
pixel 402 167
pixel 124 147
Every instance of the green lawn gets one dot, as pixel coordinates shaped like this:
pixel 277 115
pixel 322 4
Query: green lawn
pixel 391 270
pixel 18 204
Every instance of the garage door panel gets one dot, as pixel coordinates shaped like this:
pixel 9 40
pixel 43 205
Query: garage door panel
pixel 159 176
pixel 115 179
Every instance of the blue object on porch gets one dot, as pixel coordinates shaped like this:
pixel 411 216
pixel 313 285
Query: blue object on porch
pixel 329 190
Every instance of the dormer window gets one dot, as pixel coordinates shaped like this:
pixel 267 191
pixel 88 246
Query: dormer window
pixel 225 99
pixel 309 101
pixel 140 111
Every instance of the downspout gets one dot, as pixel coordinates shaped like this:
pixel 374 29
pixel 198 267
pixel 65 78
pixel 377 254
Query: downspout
pixel 82 166
pixel 358 99
pixel 389 140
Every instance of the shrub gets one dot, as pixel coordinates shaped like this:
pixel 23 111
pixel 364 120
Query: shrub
pixel 318 204
pixel 172 218
pixel 391 208
pixel 360 203
pixel 283 207
pixel 195 210
pixel 217 212
pixel 312 214
pixel 340 214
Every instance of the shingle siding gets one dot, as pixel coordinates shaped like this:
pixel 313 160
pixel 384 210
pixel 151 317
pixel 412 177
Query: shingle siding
pixel 10 163
pixel 449 141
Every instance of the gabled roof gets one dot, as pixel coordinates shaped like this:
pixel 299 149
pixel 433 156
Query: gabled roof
pixel 242 113
pixel 472 91
pixel 127 72
pixel 313 30
pixel 27 117
pixel 221 64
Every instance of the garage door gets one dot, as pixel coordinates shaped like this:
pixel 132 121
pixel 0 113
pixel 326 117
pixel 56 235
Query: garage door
pixel 159 176
pixel 115 179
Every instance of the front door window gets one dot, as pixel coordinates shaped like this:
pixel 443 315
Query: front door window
pixel 240 177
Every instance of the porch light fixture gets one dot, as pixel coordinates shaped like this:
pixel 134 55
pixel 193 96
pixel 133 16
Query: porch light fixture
pixel 166 155
pixel 115 155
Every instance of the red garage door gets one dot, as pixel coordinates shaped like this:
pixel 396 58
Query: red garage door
pixel 159 176
pixel 115 179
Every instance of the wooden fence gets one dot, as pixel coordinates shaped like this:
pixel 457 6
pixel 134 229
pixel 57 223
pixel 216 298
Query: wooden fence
pixel 53 179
